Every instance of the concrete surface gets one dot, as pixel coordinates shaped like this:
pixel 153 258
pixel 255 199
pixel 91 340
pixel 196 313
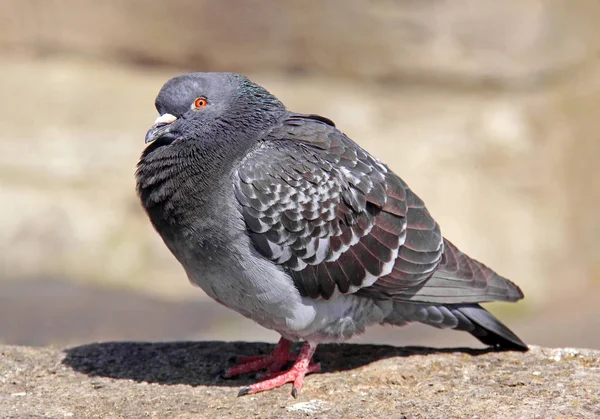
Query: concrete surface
pixel 178 380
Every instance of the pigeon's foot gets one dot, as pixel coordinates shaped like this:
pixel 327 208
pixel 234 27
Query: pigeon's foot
pixel 296 374
pixel 273 361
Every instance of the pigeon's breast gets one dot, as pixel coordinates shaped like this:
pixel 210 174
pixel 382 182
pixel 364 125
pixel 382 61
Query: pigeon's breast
pixel 230 271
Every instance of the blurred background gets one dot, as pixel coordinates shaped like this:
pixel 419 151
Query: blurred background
pixel 489 109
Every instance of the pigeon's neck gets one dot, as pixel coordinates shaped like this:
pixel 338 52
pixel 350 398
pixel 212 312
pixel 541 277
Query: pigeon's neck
pixel 188 182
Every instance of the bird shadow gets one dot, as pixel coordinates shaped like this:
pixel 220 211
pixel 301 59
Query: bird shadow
pixel 199 363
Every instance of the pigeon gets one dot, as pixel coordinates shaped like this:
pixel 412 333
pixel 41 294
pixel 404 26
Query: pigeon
pixel 283 218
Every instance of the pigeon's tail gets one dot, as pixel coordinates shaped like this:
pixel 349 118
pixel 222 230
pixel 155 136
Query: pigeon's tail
pixel 488 329
pixel 470 318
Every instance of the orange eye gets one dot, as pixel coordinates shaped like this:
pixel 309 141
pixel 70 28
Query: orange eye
pixel 200 103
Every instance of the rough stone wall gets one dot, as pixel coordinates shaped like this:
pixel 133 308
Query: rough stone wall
pixel 488 109
pixel 471 41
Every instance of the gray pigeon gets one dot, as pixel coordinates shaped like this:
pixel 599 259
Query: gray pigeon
pixel 284 219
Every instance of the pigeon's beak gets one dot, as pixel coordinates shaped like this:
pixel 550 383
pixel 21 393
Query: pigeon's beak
pixel 160 127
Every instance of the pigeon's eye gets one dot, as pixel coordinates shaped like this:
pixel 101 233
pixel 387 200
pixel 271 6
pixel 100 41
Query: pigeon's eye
pixel 200 103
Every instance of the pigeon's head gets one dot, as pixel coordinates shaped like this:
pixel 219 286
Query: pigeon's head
pixel 200 105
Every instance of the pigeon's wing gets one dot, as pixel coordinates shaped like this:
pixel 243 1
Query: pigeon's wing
pixel 338 220
pixel 456 279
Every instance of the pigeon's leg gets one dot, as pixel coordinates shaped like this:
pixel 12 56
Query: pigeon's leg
pixel 296 374
pixel 273 361
pixel 267 375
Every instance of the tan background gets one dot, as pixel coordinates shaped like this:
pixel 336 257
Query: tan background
pixel 489 110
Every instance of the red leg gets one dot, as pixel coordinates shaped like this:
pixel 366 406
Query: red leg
pixel 295 374
pixel 273 361
pixel 267 375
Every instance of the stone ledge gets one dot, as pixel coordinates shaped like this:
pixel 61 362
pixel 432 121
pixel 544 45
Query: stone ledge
pixel 178 380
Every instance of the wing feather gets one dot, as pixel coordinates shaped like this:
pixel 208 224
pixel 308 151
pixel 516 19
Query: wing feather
pixel 339 221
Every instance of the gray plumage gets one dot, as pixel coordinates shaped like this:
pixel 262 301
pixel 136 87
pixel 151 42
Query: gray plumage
pixel 283 218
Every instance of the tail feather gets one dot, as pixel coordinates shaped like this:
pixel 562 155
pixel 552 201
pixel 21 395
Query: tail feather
pixel 490 330
pixel 470 318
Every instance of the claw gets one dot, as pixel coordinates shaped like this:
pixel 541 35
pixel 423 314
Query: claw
pixel 244 391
